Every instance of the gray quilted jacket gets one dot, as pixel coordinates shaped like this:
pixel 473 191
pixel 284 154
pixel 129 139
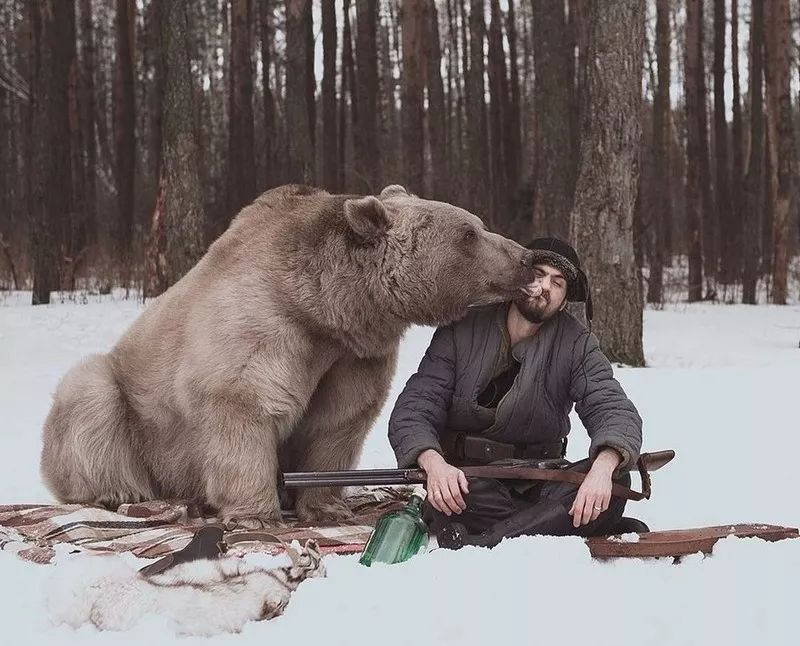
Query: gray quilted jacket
pixel 561 365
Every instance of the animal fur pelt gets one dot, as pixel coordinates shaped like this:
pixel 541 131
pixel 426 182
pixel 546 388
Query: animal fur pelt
pixel 205 597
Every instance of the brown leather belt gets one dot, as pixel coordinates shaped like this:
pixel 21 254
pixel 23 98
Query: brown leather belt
pixel 461 448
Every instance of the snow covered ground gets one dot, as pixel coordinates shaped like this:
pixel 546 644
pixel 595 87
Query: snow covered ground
pixel 721 389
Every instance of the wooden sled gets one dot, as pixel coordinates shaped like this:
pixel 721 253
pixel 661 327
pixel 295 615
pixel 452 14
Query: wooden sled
pixel 681 542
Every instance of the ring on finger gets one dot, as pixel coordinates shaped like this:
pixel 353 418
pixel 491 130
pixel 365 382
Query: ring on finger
pixel 596 508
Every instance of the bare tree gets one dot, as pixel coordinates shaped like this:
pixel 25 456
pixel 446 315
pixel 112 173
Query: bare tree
pixel 125 120
pixel 734 264
pixel 298 111
pixel 754 180
pixel 365 131
pixel 437 113
pixel 413 26
pixel 477 140
pixel 265 9
pixel 555 138
pixel 695 144
pixel 778 29
pixel 176 240
pixel 329 140
pixel 722 186
pixel 241 184
pixel 602 219
pixel 662 137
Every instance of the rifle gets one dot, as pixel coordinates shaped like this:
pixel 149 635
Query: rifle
pixel 552 470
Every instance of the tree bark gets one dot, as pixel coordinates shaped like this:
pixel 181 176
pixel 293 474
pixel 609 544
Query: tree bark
pixel 53 29
pixel 176 240
pixel 329 145
pixel 662 137
pixel 710 223
pixel 722 186
pixel 88 105
pixel 498 113
pixel 413 33
pixel 348 90
pixel 778 30
pixel 513 148
pixel 754 181
pixel 695 145
pixel 734 267
pixel 477 140
pixel 300 140
pixel 437 125
pixel 365 131
pixel 555 139
pixel 265 9
pixel 241 153
pixel 125 121
pixel 602 219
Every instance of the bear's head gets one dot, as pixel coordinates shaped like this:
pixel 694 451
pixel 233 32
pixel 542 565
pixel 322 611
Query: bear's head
pixel 433 260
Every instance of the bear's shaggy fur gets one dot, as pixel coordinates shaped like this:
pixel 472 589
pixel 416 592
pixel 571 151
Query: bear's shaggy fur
pixel 281 341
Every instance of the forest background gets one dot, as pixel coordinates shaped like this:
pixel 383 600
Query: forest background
pixel 659 136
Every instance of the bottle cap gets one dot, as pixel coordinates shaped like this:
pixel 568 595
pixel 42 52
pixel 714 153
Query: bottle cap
pixel 419 490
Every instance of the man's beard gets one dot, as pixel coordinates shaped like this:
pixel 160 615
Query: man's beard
pixel 535 310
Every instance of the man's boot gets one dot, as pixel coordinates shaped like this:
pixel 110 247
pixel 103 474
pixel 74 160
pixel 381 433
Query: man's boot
pixel 627 525
pixel 545 517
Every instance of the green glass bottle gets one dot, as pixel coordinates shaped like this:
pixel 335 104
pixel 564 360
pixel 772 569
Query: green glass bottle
pixel 398 535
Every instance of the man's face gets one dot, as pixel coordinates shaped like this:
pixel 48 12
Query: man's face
pixel 552 299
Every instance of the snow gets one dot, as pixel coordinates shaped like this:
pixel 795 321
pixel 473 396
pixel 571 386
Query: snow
pixel 721 389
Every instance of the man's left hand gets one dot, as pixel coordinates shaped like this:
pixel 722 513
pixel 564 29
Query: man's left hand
pixel 594 494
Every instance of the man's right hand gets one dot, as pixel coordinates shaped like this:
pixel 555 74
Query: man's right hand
pixel 445 483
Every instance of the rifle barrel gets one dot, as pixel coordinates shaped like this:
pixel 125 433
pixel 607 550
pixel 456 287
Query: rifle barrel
pixel 352 478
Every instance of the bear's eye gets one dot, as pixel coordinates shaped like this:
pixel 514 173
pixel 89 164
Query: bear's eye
pixel 470 235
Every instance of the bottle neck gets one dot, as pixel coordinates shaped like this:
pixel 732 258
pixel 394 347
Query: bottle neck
pixel 415 505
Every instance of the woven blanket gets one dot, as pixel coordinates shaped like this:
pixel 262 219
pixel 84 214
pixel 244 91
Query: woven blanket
pixel 155 528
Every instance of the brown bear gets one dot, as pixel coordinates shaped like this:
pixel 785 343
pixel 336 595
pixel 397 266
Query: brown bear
pixel 282 340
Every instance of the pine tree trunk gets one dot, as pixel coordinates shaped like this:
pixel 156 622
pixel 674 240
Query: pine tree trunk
pixel 329 161
pixel 710 224
pixel 555 139
pixel 413 34
pixel 754 181
pixel 513 148
pixel 778 29
pixel 477 140
pixel 737 178
pixel 270 133
pixel 498 102
pixel 365 132
pixel 241 153
pixel 437 126
pixel 662 136
pixel 695 146
pixel 607 181
pixel 125 121
pixel 348 82
pixel 88 105
pixel 53 28
pixel 722 186
pixel 177 229
pixel 300 140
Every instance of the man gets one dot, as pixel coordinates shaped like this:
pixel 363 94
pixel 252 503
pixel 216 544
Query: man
pixel 501 383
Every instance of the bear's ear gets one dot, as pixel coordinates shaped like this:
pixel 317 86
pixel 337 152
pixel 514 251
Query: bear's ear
pixel 394 190
pixel 367 218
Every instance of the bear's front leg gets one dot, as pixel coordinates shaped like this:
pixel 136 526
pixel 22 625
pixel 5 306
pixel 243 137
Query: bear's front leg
pixel 241 465
pixel 340 415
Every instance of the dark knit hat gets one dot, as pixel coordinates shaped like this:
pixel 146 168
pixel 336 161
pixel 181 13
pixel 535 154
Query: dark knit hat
pixel 562 256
